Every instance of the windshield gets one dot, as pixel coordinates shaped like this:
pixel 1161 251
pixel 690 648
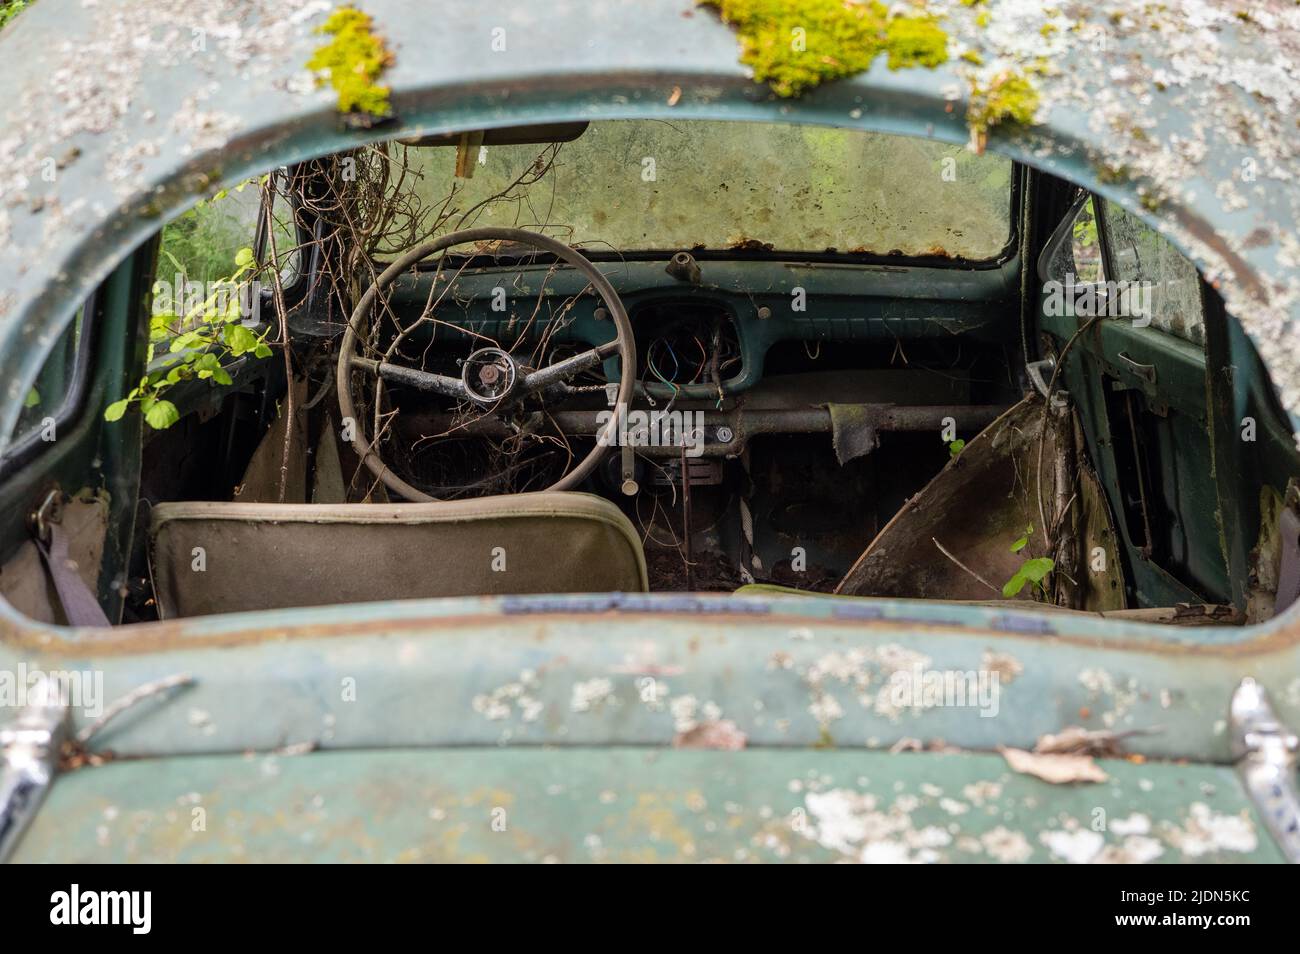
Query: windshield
pixel 651 185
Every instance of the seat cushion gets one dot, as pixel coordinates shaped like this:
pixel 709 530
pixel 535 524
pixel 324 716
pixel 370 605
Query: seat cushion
pixel 228 557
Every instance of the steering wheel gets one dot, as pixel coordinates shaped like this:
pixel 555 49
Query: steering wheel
pixel 492 379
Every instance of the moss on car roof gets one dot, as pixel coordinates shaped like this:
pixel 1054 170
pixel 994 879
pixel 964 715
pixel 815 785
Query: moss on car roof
pixel 796 45
pixel 352 61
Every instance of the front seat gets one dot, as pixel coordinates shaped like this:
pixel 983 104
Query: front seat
pixel 227 557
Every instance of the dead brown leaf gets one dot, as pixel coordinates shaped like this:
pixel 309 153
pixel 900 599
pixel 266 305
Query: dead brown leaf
pixel 721 735
pixel 1055 768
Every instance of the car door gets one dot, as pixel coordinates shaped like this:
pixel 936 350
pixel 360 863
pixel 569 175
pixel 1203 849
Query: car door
pixel 1125 311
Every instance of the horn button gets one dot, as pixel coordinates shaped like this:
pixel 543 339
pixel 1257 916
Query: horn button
pixel 490 376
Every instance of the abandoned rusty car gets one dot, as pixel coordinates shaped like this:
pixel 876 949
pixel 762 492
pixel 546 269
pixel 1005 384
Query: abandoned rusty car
pixel 633 445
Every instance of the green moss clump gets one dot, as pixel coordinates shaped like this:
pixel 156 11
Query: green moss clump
pixel 795 45
pixel 1010 97
pixel 354 58
pixel 915 41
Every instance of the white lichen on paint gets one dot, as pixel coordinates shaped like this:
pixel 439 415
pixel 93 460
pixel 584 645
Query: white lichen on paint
pixel 953 807
pixel 1206 831
pixel 1006 846
pixel 590 694
pixel 688 712
pixel 1133 850
pixel 1078 846
pixel 865 673
pixel 1118 695
pixel 518 696
pixel 1134 824
pixel 852 823
pixel 982 791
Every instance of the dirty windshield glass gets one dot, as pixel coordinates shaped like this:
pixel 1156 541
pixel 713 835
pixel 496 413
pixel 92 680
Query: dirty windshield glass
pixel 626 186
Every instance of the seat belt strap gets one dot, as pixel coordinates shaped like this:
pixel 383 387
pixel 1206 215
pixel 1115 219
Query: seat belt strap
pixel 80 605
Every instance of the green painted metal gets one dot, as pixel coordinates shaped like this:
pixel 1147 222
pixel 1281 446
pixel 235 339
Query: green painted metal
pixel 789 672
pixel 85 453
pixel 636 805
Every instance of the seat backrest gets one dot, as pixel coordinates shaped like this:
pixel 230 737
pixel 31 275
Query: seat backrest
pixel 228 557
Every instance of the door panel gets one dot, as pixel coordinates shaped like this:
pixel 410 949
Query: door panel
pixel 1138 374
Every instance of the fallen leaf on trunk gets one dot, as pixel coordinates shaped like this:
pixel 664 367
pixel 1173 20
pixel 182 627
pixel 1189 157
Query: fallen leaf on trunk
pixel 1055 768
pixel 720 734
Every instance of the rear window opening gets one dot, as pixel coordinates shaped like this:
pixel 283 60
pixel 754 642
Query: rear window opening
pixel 639 371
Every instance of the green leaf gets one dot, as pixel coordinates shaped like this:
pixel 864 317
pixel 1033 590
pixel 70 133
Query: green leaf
pixel 262 350
pixel 175 261
pixel 1031 571
pixel 1036 570
pixel 222 377
pixel 162 415
pixel 115 410
pixel 244 258
pixel 239 339
pixel 33 398
pixel 956 447
pixel 160 326
pixel 1023 541
pixel 184 341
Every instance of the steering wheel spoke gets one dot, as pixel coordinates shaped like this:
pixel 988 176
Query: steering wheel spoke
pixel 420 380
pixel 557 373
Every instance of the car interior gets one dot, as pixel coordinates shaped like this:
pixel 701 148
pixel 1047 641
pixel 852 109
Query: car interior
pixel 639 356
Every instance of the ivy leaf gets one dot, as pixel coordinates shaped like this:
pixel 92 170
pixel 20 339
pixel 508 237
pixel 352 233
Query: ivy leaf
pixel 244 258
pixel 222 377
pixel 162 415
pixel 956 447
pixel 262 350
pixel 115 410
pixel 33 398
